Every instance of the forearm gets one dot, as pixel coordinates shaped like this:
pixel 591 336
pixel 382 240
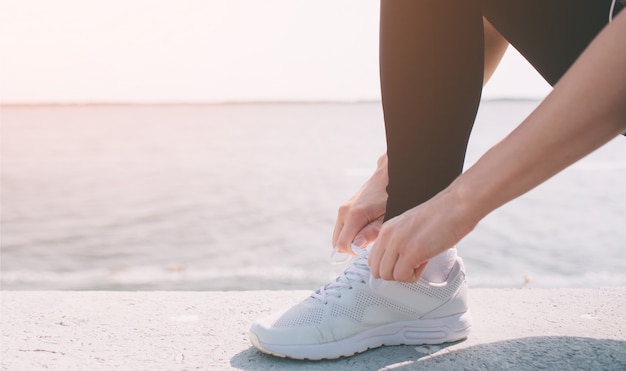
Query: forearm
pixel 586 109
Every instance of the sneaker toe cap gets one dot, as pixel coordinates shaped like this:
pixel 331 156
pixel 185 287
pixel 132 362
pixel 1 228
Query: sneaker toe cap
pixel 266 332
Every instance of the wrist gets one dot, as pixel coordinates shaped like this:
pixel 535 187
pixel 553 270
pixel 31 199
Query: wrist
pixel 469 207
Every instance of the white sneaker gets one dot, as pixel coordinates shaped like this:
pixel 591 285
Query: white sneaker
pixel 356 312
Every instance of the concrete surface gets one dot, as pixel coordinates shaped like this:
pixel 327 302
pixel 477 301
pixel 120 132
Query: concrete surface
pixel 513 329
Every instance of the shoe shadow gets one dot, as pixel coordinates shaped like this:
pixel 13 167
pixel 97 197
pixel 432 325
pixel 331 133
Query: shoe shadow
pixel 532 353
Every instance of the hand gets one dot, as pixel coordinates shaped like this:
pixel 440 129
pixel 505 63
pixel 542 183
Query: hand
pixel 408 241
pixel 360 218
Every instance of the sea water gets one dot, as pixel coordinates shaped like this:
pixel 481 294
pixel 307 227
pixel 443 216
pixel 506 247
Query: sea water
pixel 244 196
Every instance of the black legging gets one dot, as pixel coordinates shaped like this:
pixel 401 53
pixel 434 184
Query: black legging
pixel 431 65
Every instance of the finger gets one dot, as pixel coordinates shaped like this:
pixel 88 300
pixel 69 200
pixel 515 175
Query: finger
pixel 337 231
pixel 419 271
pixel 387 264
pixel 376 253
pixel 348 234
pixel 342 213
pixel 338 258
pixel 407 272
pixel 368 234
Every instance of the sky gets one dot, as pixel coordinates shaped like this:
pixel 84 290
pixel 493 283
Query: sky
pixel 192 51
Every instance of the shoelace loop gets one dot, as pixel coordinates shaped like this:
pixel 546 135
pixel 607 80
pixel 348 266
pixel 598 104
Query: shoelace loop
pixel 358 271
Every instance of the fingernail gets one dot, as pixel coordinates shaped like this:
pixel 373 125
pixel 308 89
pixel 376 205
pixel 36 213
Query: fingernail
pixel 359 241
pixel 337 257
pixel 356 249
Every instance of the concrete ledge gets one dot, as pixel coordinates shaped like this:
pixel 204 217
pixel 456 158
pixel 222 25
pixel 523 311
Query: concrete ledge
pixel 513 329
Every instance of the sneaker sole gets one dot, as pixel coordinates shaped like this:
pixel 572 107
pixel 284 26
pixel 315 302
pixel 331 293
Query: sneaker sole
pixel 419 332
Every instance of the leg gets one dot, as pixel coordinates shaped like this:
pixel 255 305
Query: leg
pixel 550 34
pixel 431 70
pixel 431 63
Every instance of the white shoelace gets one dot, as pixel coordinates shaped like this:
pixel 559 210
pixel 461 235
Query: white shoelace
pixel 358 271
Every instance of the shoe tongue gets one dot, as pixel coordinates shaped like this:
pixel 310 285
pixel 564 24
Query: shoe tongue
pixel 361 262
pixel 354 272
pixel 358 269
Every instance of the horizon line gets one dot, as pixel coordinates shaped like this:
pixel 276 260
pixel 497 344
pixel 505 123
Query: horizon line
pixel 223 103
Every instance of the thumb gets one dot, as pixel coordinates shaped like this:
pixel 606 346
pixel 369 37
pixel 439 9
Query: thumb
pixel 369 233
pixel 417 272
